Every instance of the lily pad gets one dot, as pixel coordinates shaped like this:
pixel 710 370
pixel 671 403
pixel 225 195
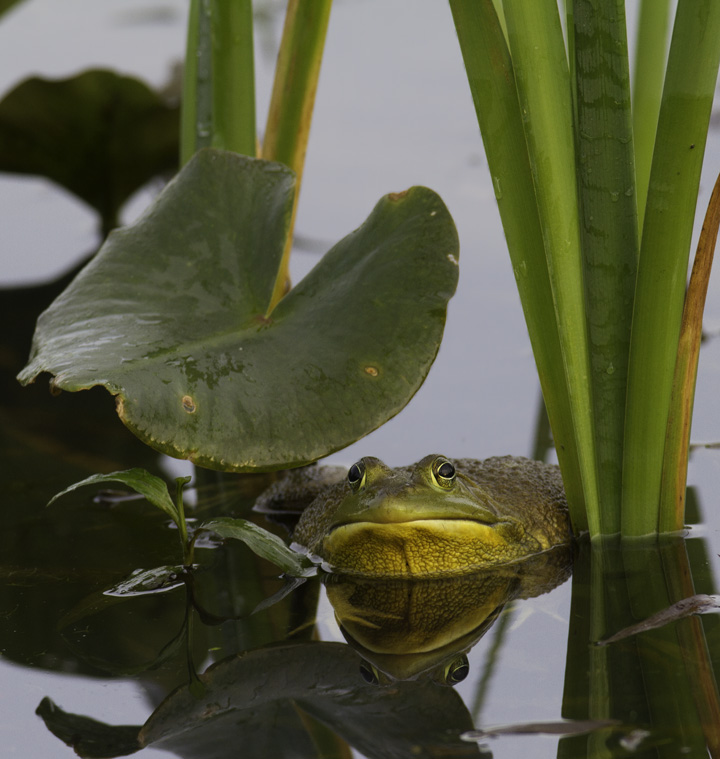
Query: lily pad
pixel 172 317
pixel 98 134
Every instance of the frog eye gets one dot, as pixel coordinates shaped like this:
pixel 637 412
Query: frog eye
pixel 457 671
pixel 444 472
pixel 369 674
pixel 356 475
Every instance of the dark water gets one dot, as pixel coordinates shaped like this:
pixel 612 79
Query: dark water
pixel 209 675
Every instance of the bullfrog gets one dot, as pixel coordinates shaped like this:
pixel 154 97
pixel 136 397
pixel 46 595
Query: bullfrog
pixel 437 518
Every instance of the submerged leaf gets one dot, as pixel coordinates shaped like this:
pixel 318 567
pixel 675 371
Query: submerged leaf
pixel 171 316
pixel 152 488
pixel 698 604
pixel 263 543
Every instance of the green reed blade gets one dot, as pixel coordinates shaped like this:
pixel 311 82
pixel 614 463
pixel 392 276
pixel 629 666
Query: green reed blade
pixel 662 267
pixel 233 76
pixel 672 496
pixel 196 116
pixel 608 225
pixel 218 105
pixel 188 112
pixel 650 56
pixel 293 97
pixel 541 71
pixel 492 83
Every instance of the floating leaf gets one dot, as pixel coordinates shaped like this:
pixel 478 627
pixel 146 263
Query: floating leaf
pixel 152 488
pixel 171 317
pixel 98 134
pixel 142 581
pixel 262 543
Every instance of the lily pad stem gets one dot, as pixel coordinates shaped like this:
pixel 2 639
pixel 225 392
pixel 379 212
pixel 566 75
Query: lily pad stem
pixel 180 483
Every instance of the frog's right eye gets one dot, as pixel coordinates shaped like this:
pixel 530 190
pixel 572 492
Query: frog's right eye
pixel 356 475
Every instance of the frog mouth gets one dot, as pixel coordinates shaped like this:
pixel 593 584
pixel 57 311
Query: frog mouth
pixel 420 547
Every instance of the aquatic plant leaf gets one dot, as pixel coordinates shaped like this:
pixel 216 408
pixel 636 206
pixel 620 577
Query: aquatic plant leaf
pixel 677 443
pixel 152 488
pixel 267 687
pixel 99 135
pixel 170 316
pixel 492 80
pixel 88 737
pixel 262 543
pixel 697 604
pixel 323 679
pixel 681 135
pixel 142 581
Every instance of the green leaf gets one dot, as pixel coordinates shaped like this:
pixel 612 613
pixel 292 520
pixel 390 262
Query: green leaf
pixel 99 135
pixel 171 317
pixel 651 51
pixel 492 83
pixel 142 581
pixel 152 488
pixel 263 543
pixel 690 83
pixel 608 227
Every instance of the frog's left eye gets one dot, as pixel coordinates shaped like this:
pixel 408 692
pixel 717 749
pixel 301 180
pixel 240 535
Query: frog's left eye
pixel 444 472
pixel 369 673
pixel 457 671
pixel 356 475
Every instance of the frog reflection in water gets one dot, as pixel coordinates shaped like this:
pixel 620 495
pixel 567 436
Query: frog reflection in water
pixel 423 558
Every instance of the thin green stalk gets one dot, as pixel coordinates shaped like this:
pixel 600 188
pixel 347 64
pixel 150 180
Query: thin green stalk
pixel 650 56
pixel 233 76
pixel 492 83
pixel 672 503
pixel 196 119
pixel 609 233
pixel 293 97
pixel 662 268
pixel 188 112
pixel 541 72
pixel 218 105
pixel 180 483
